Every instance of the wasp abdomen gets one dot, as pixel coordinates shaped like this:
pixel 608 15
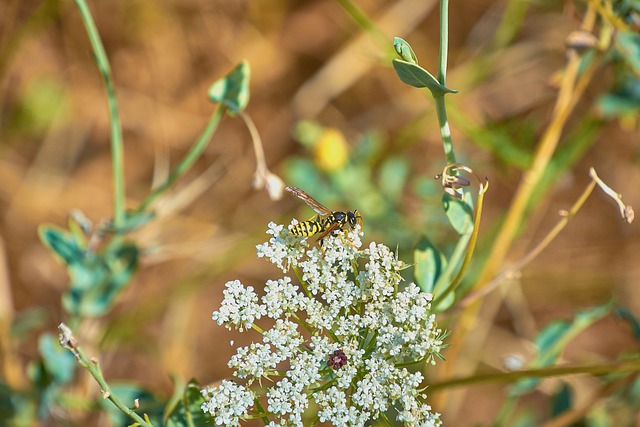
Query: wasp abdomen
pixel 306 228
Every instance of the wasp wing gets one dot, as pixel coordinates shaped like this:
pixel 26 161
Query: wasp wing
pixel 313 203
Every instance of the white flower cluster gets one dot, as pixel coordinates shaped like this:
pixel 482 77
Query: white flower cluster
pixel 338 349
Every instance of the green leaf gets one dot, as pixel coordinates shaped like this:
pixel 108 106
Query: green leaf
pixel 548 338
pixel 7 404
pixel 552 341
pixel 187 409
pixel 404 50
pixel 233 89
pixel 633 321
pixel 429 262
pixel 615 105
pixel 548 351
pixel 562 401
pixel 62 243
pixel 411 73
pixel 628 44
pixel 58 361
pixel 96 283
pixel 459 212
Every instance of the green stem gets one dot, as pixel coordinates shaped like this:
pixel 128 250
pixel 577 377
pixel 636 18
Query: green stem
pixel 196 150
pixel 67 341
pixel 441 108
pixel 444 41
pixel 263 416
pixel 445 131
pixel 117 150
pixel 470 248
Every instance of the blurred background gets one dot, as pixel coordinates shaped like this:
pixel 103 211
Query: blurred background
pixel 314 70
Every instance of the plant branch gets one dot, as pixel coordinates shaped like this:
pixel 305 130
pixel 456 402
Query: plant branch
pixel 69 342
pixel 441 108
pixel 117 149
pixel 566 217
pixel 570 92
pixel 626 366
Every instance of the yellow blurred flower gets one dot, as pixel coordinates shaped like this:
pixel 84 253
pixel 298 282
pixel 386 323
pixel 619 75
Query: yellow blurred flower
pixel 330 150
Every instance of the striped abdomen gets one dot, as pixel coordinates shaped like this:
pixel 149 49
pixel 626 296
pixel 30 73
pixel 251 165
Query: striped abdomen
pixel 307 228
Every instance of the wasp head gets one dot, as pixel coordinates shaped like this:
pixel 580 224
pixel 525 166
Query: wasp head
pixel 354 218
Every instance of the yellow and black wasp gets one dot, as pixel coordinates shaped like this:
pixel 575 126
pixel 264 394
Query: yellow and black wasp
pixel 326 221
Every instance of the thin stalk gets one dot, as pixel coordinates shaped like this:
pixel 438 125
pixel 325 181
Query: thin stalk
pixel 626 366
pixel 117 149
pixel 263 413
pixel 546 241
pixel 196 151
pixel 470 248
pixel 69 342
pixel 441 109
pixel 444 42
pixel 570 91
pixel 445 131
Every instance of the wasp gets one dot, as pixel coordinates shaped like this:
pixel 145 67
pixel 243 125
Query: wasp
pixel 326 221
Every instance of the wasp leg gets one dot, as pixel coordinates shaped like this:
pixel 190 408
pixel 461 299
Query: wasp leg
pixel 334 228
pixel 347 241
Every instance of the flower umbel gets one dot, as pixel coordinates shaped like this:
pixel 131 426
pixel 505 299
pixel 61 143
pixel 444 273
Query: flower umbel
pixel 340 343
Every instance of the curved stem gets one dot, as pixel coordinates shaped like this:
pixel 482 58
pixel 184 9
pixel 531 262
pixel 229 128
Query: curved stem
pixel 117 149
